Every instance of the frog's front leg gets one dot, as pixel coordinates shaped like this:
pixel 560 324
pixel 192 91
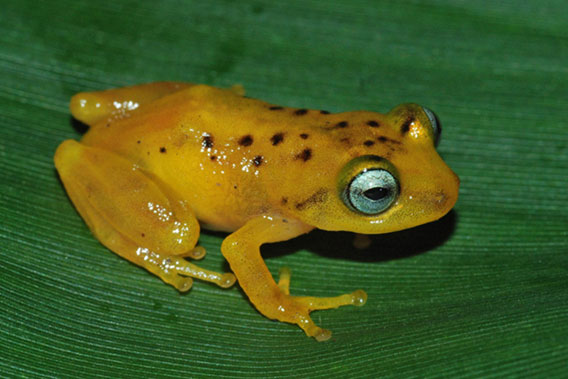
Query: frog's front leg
pixel 134 216
pixel 242 250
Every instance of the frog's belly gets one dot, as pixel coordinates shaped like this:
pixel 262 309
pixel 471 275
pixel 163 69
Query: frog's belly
pixel 222 200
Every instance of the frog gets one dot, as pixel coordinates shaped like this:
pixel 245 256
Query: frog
pixel 163 160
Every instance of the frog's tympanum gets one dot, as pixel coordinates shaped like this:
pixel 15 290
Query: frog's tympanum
pixel 163 159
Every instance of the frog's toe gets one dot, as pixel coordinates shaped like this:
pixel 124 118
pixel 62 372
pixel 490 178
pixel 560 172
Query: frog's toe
pixel 185 268
pixel 312 303
pixel 322 335
pixel 356 298
pixel 359 298
pixel 181 283
pixel 361 241
pixel 197 253
pixel 227 280
pixel 284 280
pixel 312 330
pixel 164 271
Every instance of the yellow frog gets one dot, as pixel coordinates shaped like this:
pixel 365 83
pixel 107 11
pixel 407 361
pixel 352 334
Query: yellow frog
pixel 163 158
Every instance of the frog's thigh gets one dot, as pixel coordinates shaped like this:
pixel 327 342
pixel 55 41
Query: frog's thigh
pixel 131 215
pixel 273 300
pixel 93 107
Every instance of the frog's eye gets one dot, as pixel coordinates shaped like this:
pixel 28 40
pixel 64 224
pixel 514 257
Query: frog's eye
pixel 371 191
pixel 436 126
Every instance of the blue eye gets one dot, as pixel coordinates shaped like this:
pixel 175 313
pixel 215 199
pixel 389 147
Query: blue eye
pixel 372 191
pixel 436 125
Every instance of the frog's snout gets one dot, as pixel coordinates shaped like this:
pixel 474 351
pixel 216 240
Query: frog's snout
pixel 446 198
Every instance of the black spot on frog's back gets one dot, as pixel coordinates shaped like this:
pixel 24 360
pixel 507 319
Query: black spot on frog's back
pixel 277 138
pixel 305 155
pixel 246 140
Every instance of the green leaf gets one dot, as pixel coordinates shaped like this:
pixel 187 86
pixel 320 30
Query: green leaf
pixel 483 292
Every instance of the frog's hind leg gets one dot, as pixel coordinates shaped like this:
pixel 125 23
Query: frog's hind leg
pixel 94 107
pixel 133 216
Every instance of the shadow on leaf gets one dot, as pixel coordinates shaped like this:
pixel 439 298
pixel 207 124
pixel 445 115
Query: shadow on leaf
pixel 78 126
pixel 384 247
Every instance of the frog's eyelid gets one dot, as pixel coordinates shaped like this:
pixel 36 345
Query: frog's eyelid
pixel 436 126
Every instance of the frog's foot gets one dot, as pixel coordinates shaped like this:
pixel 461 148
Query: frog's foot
pixel 185 268
pixel 284 275
pixel 178 272
pixel 172 269
pixel 303 305
pixel 272 299
pixel 182 267
pixel 361 241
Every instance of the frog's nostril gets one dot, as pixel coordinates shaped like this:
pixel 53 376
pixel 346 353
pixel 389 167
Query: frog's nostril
pixel 440 199
pixel 444 201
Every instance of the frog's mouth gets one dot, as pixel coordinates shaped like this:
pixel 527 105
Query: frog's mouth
pixel 414 208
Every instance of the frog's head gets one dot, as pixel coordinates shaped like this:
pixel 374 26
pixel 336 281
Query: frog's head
pixel 399 181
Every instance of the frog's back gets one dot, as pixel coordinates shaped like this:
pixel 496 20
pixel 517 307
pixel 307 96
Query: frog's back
pixel 218 147
pixel 194 114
